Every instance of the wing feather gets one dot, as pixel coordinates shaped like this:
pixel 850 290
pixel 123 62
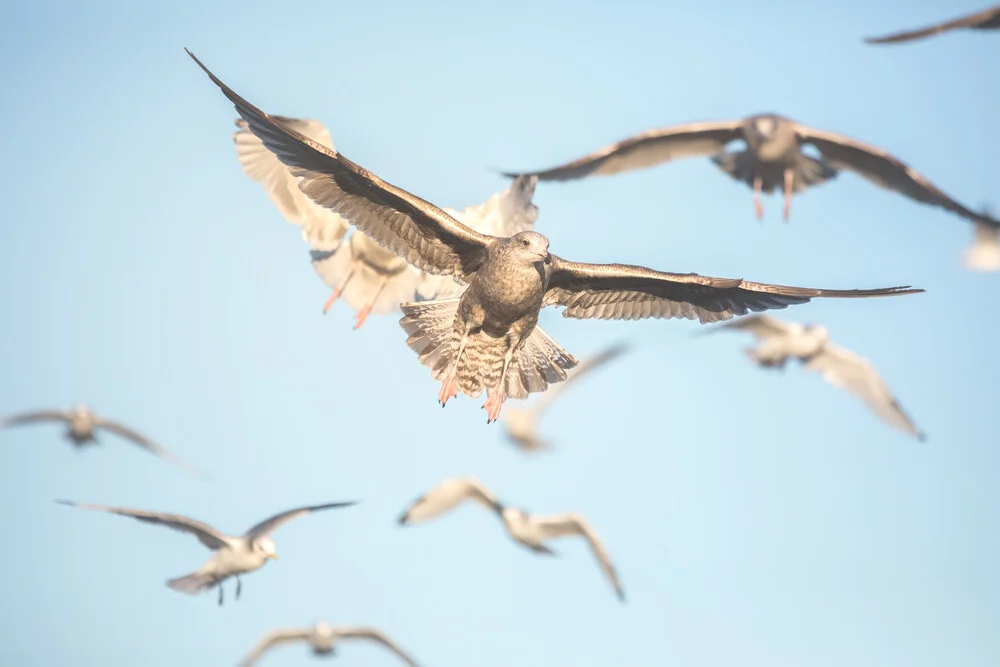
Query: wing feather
pixel 988 19
pixel 207 535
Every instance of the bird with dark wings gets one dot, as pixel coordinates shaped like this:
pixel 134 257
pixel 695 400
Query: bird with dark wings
pixel 488 337
pixel 988 19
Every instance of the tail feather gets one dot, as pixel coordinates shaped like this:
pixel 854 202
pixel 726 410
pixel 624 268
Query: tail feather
pixel 434 336
pixel 192 584
pixel 808 172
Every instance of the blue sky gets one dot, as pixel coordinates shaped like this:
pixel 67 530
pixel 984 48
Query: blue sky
pixel 755 519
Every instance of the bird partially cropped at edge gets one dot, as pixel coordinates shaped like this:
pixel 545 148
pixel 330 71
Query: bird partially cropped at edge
pixel 488 338
pixel 528 530
pixel 233 555
pixel 810 344
pixel 984 254
pixel 521 424
pixel 323 638
pixel 988 19
pixel 369 278
pixel 772 158
pixel 83 423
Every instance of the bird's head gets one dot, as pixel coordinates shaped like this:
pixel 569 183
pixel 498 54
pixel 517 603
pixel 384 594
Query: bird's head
pixel 819 332
pixel 530 244
pixel 265 545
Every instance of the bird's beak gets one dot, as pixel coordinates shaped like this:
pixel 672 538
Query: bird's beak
pixel 273 555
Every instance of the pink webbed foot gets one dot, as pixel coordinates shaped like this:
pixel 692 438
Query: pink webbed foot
pixel 449 389
pixel 493 405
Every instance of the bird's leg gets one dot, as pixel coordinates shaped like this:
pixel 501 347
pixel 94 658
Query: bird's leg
pixel 362 315
pixel 789 188
pixel 218 584
pixel 758 205
pixel 340 289
pixel 239 587
pixel 495 401
pixel 449 386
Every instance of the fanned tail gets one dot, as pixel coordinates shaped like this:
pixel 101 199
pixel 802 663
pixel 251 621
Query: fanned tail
pixel 192 584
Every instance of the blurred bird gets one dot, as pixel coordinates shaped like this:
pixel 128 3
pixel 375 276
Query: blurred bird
pixel 323 637
pixel 488 338
pixel 233 555
pixel 368 277
pixel 773 158
pixel 988 19
pixel 83 423
pixel 521 424
pixel 529 530
pixel 810 345
pixel 984 255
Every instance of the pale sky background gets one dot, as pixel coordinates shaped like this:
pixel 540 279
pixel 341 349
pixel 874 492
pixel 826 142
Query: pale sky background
pixel 756 519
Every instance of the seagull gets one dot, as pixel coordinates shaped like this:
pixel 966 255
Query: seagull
pixel 323 637
pixel 773 158
pixel 233 555
pixel 988 19
pixel 83 423
pixel 810 344
pixel 529 530
pixel 368 277
pixel 521 424
pixel 487 338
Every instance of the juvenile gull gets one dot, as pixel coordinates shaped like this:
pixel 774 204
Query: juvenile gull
pixel 772 158
pixel 233 555
pixel 521 424
pixel 988 19
pixel 83 422
pixel 488 338
pixel 323 638
pixel 529 530
pixel 369 278
pixel 810 344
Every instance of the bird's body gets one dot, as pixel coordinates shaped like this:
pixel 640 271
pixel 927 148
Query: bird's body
pixel 82 423
pixel 322 638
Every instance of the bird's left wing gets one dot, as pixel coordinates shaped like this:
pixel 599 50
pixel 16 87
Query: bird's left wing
pixel 376 636
pixel 268 526
pixel 272 639
pixel 587 365
pixel 846 370
pixel 36 416
pixel 145 443
pixel 884 170
pixel 414 229
pixel 573 524
pixel 625 292
pixel 988 19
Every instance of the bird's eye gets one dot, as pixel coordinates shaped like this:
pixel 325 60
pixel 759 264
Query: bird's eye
pixel 525 242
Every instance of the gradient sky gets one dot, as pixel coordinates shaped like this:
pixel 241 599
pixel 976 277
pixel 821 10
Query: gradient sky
pixel 756 519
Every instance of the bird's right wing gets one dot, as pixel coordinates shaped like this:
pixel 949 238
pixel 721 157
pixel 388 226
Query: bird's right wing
pixel 207 535
pixel 269 525
pixel 573 524
pixel 36 416
pixel 846 370
pixel 988 19
pixel 448 495
pixel 146 444
pixel 272 639
pixel 585 366
pixel 414 229
pixel 376 636
pixel 319 224
pixel 761 327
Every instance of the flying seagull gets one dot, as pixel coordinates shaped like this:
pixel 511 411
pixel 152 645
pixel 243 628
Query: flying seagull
pixel 988 19
pixel 488 338
pixel 810 344
pixel 529 530
pixel 233 555
pixel 521 424
pixel 772 158
pixel 83 423
pixel 322 637
pixel 368 277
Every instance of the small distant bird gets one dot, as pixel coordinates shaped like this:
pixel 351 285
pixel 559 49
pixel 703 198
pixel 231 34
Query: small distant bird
pixel 233 555
pixel 323 637
pixel 529 530
pixel 988 19
pixel 810 344
pixel 521 424
pixel 83 423
pixel 368 277
pixel 488 339
pixel 772 158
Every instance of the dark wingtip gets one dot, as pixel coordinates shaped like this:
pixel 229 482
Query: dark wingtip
pixel 60 501
pixel 401 519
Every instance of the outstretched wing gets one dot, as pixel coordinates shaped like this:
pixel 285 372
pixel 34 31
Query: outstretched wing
pixel 35 417
pixel 585 366
pixel 647 149
pixel 573 524
pixel 268 526
pixel 414 229
pixel 145 443
pixel 207 535
pixel 988 19
pixel 846 370
pixel 625 292
pixel 272 639
pixel 448 495
pixel 761 327
pixel 883 169
pixel 375 636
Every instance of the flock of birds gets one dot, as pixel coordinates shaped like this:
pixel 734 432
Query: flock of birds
pixel 470 285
